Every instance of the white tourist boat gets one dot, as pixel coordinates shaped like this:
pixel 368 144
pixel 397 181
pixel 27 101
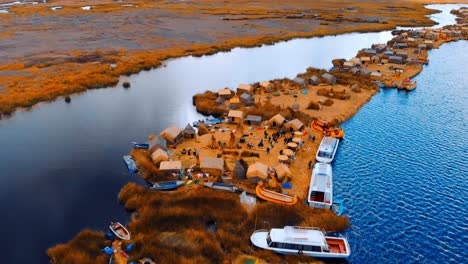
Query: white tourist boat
pixel 327 149
pixel 321 186
pixel 301 241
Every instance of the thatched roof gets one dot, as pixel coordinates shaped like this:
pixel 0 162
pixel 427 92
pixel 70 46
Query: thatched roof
pixel 282 171
pixel 224 91
pixel 279 119
pixel 254 118
pixel 295 124
pixel 189 129
pixel 159 155
pixel 171 133
pixel 211 163
pixel 257 170
pixel 265 84
pixel 245 87
pixel 236 113
pixel 239 171
pixel 170 165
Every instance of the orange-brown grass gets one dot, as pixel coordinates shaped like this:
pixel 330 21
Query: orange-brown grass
pixel 172 227
pixel 205 104
pixel 147 168
pixel 83 249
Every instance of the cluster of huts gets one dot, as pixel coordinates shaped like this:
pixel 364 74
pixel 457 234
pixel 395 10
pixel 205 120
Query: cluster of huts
pixel 233 100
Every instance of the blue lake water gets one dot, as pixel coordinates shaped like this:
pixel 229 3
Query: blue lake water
pixel 403 168
pixel 61 166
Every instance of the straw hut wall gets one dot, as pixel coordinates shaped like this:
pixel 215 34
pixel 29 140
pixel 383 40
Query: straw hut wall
pixel 257 172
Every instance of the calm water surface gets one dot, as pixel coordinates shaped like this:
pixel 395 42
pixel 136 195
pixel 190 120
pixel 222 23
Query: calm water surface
pixel 62 169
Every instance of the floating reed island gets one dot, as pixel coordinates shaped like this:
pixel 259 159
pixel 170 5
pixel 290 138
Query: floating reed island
pixel 262 140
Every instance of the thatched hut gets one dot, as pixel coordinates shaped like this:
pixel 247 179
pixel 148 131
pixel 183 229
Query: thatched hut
pixel 267 85
pixel 282 172
pixel 158 156
pixel 236 116
pixel 314 80
pixel 239 171
pixel 369 52
pixel 375 76
pixel 172 135
pixel 225 93
pixel 170 167
pixel 329 78
pixel 257 172
pixel 395 59
pixel 212 166
pixel 253 120
pixel 276 121
pixel 244 88
pixel 247 99
pixel 189 132
pixel 294 125
pixel 234 102
pixel 375 59
pixel 300 81
pixel 402 54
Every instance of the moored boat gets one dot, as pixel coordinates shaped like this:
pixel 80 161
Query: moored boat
pixel 165 186
pixel 321 186
pixel 327 149
pixel 140 145
pixel 337 207
pixel 226 187
pixel 274 197
pixel 334 133
pixel 119 230
pixel 324 127
pixel 131 165
pixel 306 241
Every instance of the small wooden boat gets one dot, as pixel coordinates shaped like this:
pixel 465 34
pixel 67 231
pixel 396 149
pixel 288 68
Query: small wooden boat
pixel 274 197
pixel 334 133
pixel 140 145
pixel 337 207
pixel 307 241
pixel 225 187
pixel 131 165
pixel 166 186
pixel 119 230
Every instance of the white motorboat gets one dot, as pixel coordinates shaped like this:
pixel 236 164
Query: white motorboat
pixel 327 149
pixel 321 186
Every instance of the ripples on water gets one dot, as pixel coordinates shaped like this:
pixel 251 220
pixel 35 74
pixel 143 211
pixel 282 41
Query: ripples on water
pixel 402 169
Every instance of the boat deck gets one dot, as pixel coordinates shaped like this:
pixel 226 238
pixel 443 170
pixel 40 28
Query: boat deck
pixel 336 245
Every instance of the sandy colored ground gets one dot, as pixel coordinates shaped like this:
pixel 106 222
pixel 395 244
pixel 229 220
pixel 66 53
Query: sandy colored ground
pixel 38 44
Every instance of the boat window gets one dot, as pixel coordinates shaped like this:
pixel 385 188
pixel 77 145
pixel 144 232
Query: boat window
pixel 268 240
pixel 325 154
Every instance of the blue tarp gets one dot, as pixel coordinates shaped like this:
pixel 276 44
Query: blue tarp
pixel 304 92
pixel 129 247
pixel 108 250
pixel 287 185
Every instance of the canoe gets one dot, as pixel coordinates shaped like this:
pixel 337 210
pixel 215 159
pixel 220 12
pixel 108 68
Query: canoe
pixel 119 230
pixel 274 197
pixel 165 186
pixel 337 207
pixel 130 163
pixel 225 187
pixel 140 145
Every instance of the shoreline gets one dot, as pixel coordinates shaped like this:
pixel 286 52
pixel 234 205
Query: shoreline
pixel 26 91
pixel 127 197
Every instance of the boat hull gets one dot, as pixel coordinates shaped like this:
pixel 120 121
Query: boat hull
pixel 119 231
pixel 225 187
pixel 259 239
pixel 274 197
pixel 166 186
pixel 130 163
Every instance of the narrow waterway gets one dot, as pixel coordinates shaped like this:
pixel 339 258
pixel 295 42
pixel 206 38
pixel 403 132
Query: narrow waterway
pixel 61 163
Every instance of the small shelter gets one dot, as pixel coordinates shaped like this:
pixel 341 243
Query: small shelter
pixel 225 93
pixel 247 99
pixel 348 64
pixel 365 59
pixel 212 166
pixel 234 102
pixel 395 59
pixel 244 88
pixel 172 135
pixel 400 45
pixel 189 131
pixel 300 81
pixel 170 167
pixel 402 54
pixel 220 100
pixel 355 61
pixel 355 70
pixel 369 52
pixel 236 116
pixel 294 125
pixel 282 172
pixel 314 80
pixel 276 121
pixel 422 46
pixel 375 76
pixel 429 44
pixel 257 172
pixel 375 59
pixel 239 171
pixel 158 156
pixel 329 78
pixel 267 85
pixel 253 120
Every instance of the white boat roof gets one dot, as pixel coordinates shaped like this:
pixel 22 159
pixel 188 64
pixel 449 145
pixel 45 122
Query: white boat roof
pixel 298 235
pixel 323 176
pixel 328 144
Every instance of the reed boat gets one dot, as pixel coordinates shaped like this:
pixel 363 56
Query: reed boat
pixel 225 187
pixel 119 230
pixel 307 241
pixel 319 125
pixel 274 197
pixel 337 207
pixel 408 85
pixel 140 145
pixel 321 186
pixel 324 127
pixel 165 186
pixel 130 163
pixel 327 149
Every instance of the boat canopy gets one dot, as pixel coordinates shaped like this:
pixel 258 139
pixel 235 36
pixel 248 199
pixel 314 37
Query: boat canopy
pixel 297 235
